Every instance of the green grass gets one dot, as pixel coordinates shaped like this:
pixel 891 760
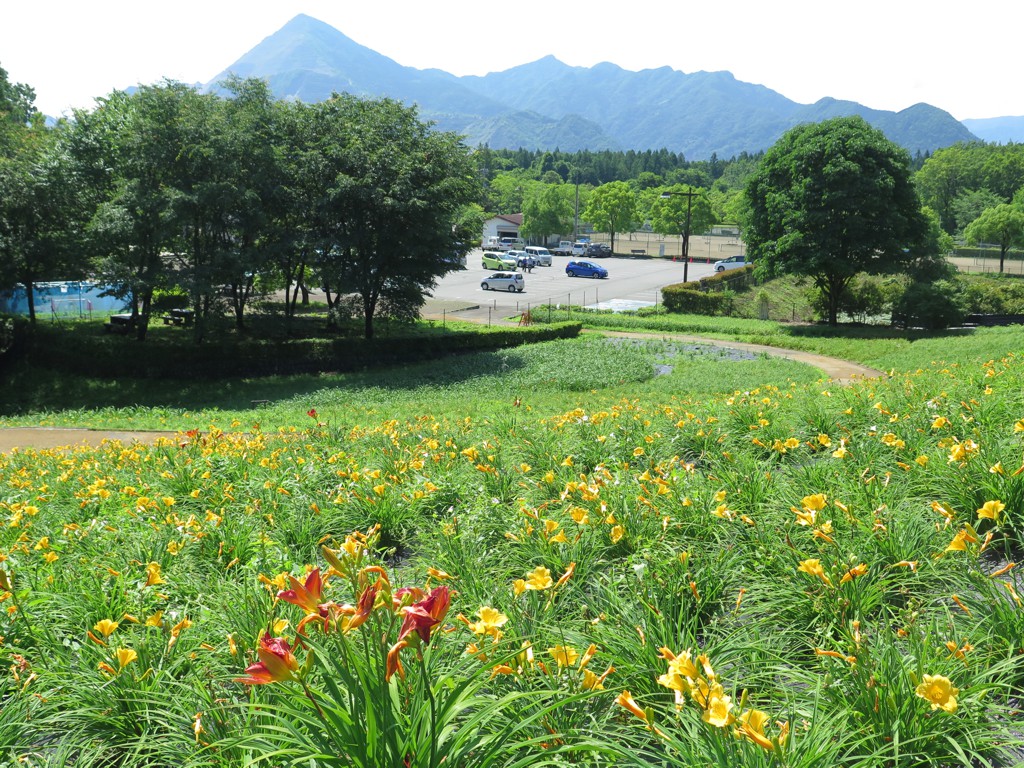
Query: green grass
pixel 545 375
pixel 817 551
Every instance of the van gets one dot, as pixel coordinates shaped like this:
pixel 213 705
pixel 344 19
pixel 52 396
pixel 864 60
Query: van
pixel 511 243
pixel 542 256
pixel 579 248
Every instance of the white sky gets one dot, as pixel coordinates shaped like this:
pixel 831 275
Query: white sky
pixel 885 54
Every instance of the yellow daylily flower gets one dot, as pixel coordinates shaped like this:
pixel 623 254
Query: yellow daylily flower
pixel 812 567
pixel 539 579
pixel 106 627
pixel 939 692
pixel 991 510
pixel 124 657
pixel 565 655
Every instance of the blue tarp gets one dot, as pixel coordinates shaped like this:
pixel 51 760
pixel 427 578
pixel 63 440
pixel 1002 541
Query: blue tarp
pixel 78 299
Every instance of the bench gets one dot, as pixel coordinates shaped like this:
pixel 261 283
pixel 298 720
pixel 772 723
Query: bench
pixel 119 324
pixel 178 317
pixel 638 252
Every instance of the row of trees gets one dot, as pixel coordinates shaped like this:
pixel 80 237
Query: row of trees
pixel 167 188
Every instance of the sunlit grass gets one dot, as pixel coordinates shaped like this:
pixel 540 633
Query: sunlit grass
pixel 832 567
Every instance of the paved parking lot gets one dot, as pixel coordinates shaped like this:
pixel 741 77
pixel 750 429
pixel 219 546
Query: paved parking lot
pixel 631 282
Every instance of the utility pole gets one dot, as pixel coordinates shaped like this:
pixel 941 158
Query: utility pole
pixel 686 228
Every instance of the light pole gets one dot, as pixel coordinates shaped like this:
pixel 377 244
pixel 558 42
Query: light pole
pixel 686 228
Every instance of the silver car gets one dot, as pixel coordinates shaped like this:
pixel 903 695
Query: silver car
pixel 504 281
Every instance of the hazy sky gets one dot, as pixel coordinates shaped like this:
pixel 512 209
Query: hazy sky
pixel 886 54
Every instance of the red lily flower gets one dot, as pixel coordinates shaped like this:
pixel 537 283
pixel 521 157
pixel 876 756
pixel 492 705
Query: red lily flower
pixel 276 664
pixel 306 596
pixel 423 616
pixel 365 605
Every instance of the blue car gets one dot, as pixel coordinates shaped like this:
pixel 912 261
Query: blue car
pixel 585 269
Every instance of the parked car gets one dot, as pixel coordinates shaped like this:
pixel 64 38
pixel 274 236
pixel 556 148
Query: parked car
pixel 504 281
pixel 579 249
pixel 511 243
pixel 542 256
pixel 564 248
pixel 585 269
pixel 597 250
pixel 733 262
pixel 495 260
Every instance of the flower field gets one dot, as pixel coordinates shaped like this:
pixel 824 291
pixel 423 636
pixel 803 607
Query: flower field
pixel 642 573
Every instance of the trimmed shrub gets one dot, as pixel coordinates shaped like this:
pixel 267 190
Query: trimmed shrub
pixel 932 306
pixel 109 356
pixel 683 299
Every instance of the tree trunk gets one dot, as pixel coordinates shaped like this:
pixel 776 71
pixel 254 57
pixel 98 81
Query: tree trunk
pixel 142 319
pixel 369 307
pixel 30 297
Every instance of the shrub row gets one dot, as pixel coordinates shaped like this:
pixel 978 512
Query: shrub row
pixel 112 356
pixel 730 279
pixel 682 298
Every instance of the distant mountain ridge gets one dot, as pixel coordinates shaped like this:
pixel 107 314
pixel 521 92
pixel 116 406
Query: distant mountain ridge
pixel 547 104
pixel 1002 130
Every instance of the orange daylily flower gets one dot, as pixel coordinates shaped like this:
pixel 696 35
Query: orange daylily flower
pixel 276 664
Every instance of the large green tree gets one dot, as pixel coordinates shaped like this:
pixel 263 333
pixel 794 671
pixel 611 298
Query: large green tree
pixel 548 210
pixel 389 215
pixel 833 199
pixel 1003 225
pixel 132 148
pixel 612 208
pixel 37 197
pixel 679 209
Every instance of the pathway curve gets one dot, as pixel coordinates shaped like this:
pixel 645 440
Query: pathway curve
pixel 840 371
pixel 59 437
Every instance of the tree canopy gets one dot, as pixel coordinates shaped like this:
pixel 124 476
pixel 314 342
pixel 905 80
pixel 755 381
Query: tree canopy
pixel 612 208
pixel 833 199
pixel 1002 225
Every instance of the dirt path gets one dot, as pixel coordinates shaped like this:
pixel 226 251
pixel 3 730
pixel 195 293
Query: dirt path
pixel 840 371
pixel 55 437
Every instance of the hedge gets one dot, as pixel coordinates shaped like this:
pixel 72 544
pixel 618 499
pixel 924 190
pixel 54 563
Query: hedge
pixel 682 298
pixel 121 356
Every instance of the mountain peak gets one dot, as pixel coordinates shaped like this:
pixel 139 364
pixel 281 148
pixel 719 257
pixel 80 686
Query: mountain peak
pixel 546 103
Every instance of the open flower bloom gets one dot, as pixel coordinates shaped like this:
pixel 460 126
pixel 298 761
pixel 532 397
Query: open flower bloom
pixel 939 691
pixel 751 726
pixel 564 655
pixel 491 621
pixel 813 567
pixel 857 570
pixel 124 657
pixel 964 537
pixel 423 616
pixel 717 712
pixel 106 627
pixel 276 664
pixel 539 579
pixel 991 510
pixel 306 596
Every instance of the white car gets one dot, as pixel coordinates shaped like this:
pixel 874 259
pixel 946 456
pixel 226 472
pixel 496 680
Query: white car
pixel 504 281
pixel 542 256
pixel 733 262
